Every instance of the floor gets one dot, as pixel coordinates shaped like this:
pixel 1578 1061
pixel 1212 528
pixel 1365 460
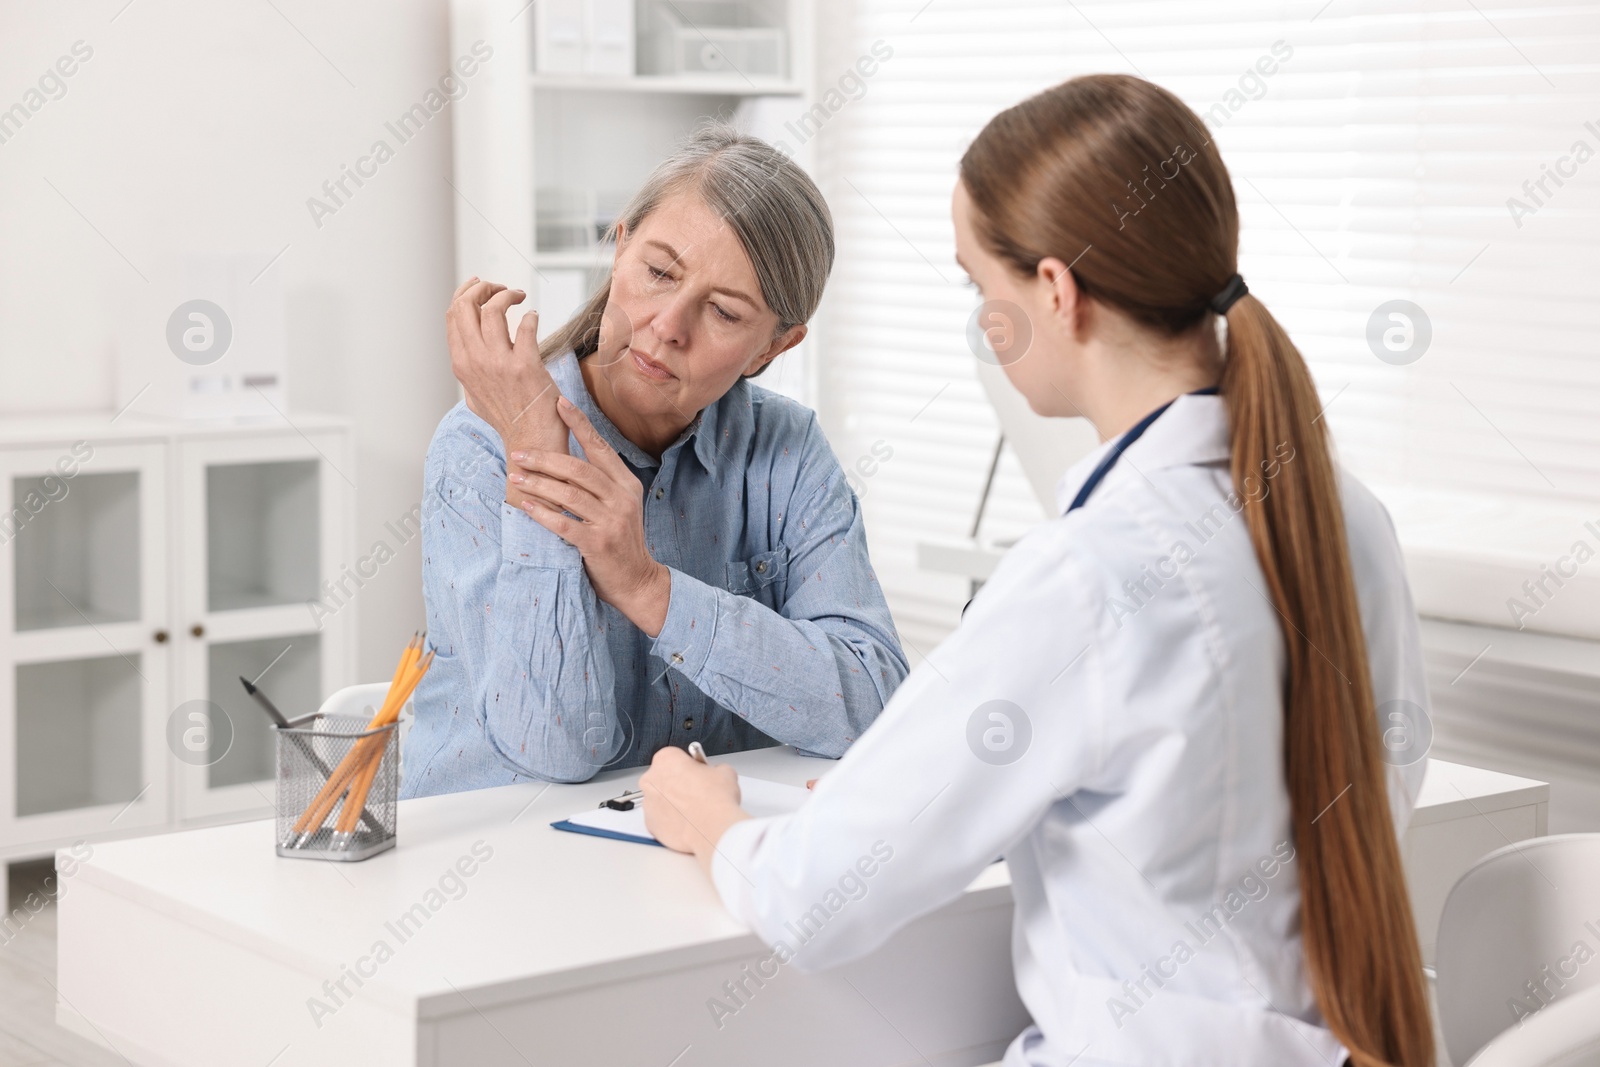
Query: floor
pixel 29 1036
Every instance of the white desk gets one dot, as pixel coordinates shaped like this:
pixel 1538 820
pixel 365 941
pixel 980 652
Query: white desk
pixel 203 949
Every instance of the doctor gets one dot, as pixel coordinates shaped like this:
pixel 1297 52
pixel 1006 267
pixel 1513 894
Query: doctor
pixel 1163 708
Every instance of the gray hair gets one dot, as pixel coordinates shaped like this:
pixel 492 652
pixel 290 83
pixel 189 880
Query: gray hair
pixel 772 206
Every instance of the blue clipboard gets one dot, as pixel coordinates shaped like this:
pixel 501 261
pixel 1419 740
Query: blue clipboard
pixel 597 831
pixel 759 798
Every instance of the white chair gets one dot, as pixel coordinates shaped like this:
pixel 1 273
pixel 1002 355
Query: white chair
pixel 361 701
pixel 356 699
pixel 1566 1034
pixel 1519 938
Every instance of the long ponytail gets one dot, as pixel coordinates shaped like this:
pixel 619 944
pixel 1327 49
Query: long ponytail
pixel 1356 923
pixel 1118 177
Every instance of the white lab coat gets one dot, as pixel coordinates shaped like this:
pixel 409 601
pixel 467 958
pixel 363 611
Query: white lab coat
pixel 1144 806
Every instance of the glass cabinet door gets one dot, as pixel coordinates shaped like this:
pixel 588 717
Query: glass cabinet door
pixel 77 734
pixel 262 534
pixel 261 524
pixel 84 663
pixel 76 561
pixel 288 670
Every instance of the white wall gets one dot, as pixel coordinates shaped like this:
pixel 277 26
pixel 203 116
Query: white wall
pixel 206 127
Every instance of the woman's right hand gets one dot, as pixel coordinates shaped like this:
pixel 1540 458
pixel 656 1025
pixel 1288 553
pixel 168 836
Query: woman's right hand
pixel 507 384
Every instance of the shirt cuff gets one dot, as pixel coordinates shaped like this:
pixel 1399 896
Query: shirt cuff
pixel 691 624
pixel 522 540
pixel 733 866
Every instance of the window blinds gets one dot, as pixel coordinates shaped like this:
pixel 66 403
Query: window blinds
pixel 1443 155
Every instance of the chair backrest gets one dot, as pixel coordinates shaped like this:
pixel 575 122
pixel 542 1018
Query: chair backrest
pixel 356 699
pixel 1519 931
pixel 1566 1034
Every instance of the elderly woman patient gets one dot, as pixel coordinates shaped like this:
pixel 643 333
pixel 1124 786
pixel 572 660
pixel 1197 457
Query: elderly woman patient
pixel 627 545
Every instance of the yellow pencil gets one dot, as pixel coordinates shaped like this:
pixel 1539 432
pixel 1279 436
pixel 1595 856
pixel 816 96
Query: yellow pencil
pixel 404 680
pixel 362 779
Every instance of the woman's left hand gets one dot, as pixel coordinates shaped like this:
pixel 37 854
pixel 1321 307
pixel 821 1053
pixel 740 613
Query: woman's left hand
pixel 689 805
pixel 606 520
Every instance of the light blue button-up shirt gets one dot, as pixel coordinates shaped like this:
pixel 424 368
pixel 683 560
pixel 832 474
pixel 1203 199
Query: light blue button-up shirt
pixel 776 631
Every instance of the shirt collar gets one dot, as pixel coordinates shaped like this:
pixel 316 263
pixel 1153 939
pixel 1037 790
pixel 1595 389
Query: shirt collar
pixel 1192 432
pixel 703 428
pixel 709 429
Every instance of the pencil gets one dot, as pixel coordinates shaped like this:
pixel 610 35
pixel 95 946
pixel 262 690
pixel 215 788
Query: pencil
pixel 344 830
pixel 312 818
pixel 359 767
pixel 361 783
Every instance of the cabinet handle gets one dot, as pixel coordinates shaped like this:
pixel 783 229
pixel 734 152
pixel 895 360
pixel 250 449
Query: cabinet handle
pixel 160 636
pixel 198 630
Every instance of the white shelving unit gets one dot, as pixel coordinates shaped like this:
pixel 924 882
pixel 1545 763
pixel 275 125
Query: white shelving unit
pixel 523 135
pixel 134 592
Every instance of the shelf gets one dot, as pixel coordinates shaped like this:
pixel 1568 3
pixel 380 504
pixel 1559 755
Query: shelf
pixel 62 614
pixel 697 84
pixel 294 684
pixel 261 534
pixel 78 734
pixel 109 426
pixel 77 558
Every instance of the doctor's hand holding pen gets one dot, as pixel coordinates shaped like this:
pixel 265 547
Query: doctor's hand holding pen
pixel 679 782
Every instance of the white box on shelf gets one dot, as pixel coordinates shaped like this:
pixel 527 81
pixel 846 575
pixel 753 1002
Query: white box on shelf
pixel 558 36
pixel 608 37
pixel 204 340
pixel 583 37
pixel 717 50
pixel 714 37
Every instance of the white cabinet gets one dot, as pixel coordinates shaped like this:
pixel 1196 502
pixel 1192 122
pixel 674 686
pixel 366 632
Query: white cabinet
pixel 145 565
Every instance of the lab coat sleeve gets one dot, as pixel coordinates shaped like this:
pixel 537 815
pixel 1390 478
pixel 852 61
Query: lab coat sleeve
pixel 1003 721
pixel 1394 648
pixel 541 677
pixel 816 672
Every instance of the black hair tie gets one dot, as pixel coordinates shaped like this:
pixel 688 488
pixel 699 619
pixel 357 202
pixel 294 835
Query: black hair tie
pixel 1229 296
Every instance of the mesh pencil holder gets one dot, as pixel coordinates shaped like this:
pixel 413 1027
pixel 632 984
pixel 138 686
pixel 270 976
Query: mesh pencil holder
pixel 315 818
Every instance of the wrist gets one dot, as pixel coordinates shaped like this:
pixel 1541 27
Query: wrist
pixel 646 605
pixel 713 826
pixel 537 428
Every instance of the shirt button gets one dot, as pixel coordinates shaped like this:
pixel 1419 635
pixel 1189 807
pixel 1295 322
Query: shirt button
pixel 660 492
pixel 761 568
pixel 677 657
pixel 688 724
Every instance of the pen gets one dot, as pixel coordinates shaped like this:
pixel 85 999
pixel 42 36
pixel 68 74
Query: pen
pixel 299 742
pixel 266 705
pixel 627 800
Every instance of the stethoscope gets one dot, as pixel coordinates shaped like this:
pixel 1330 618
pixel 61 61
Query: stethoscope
pixel 1108 461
